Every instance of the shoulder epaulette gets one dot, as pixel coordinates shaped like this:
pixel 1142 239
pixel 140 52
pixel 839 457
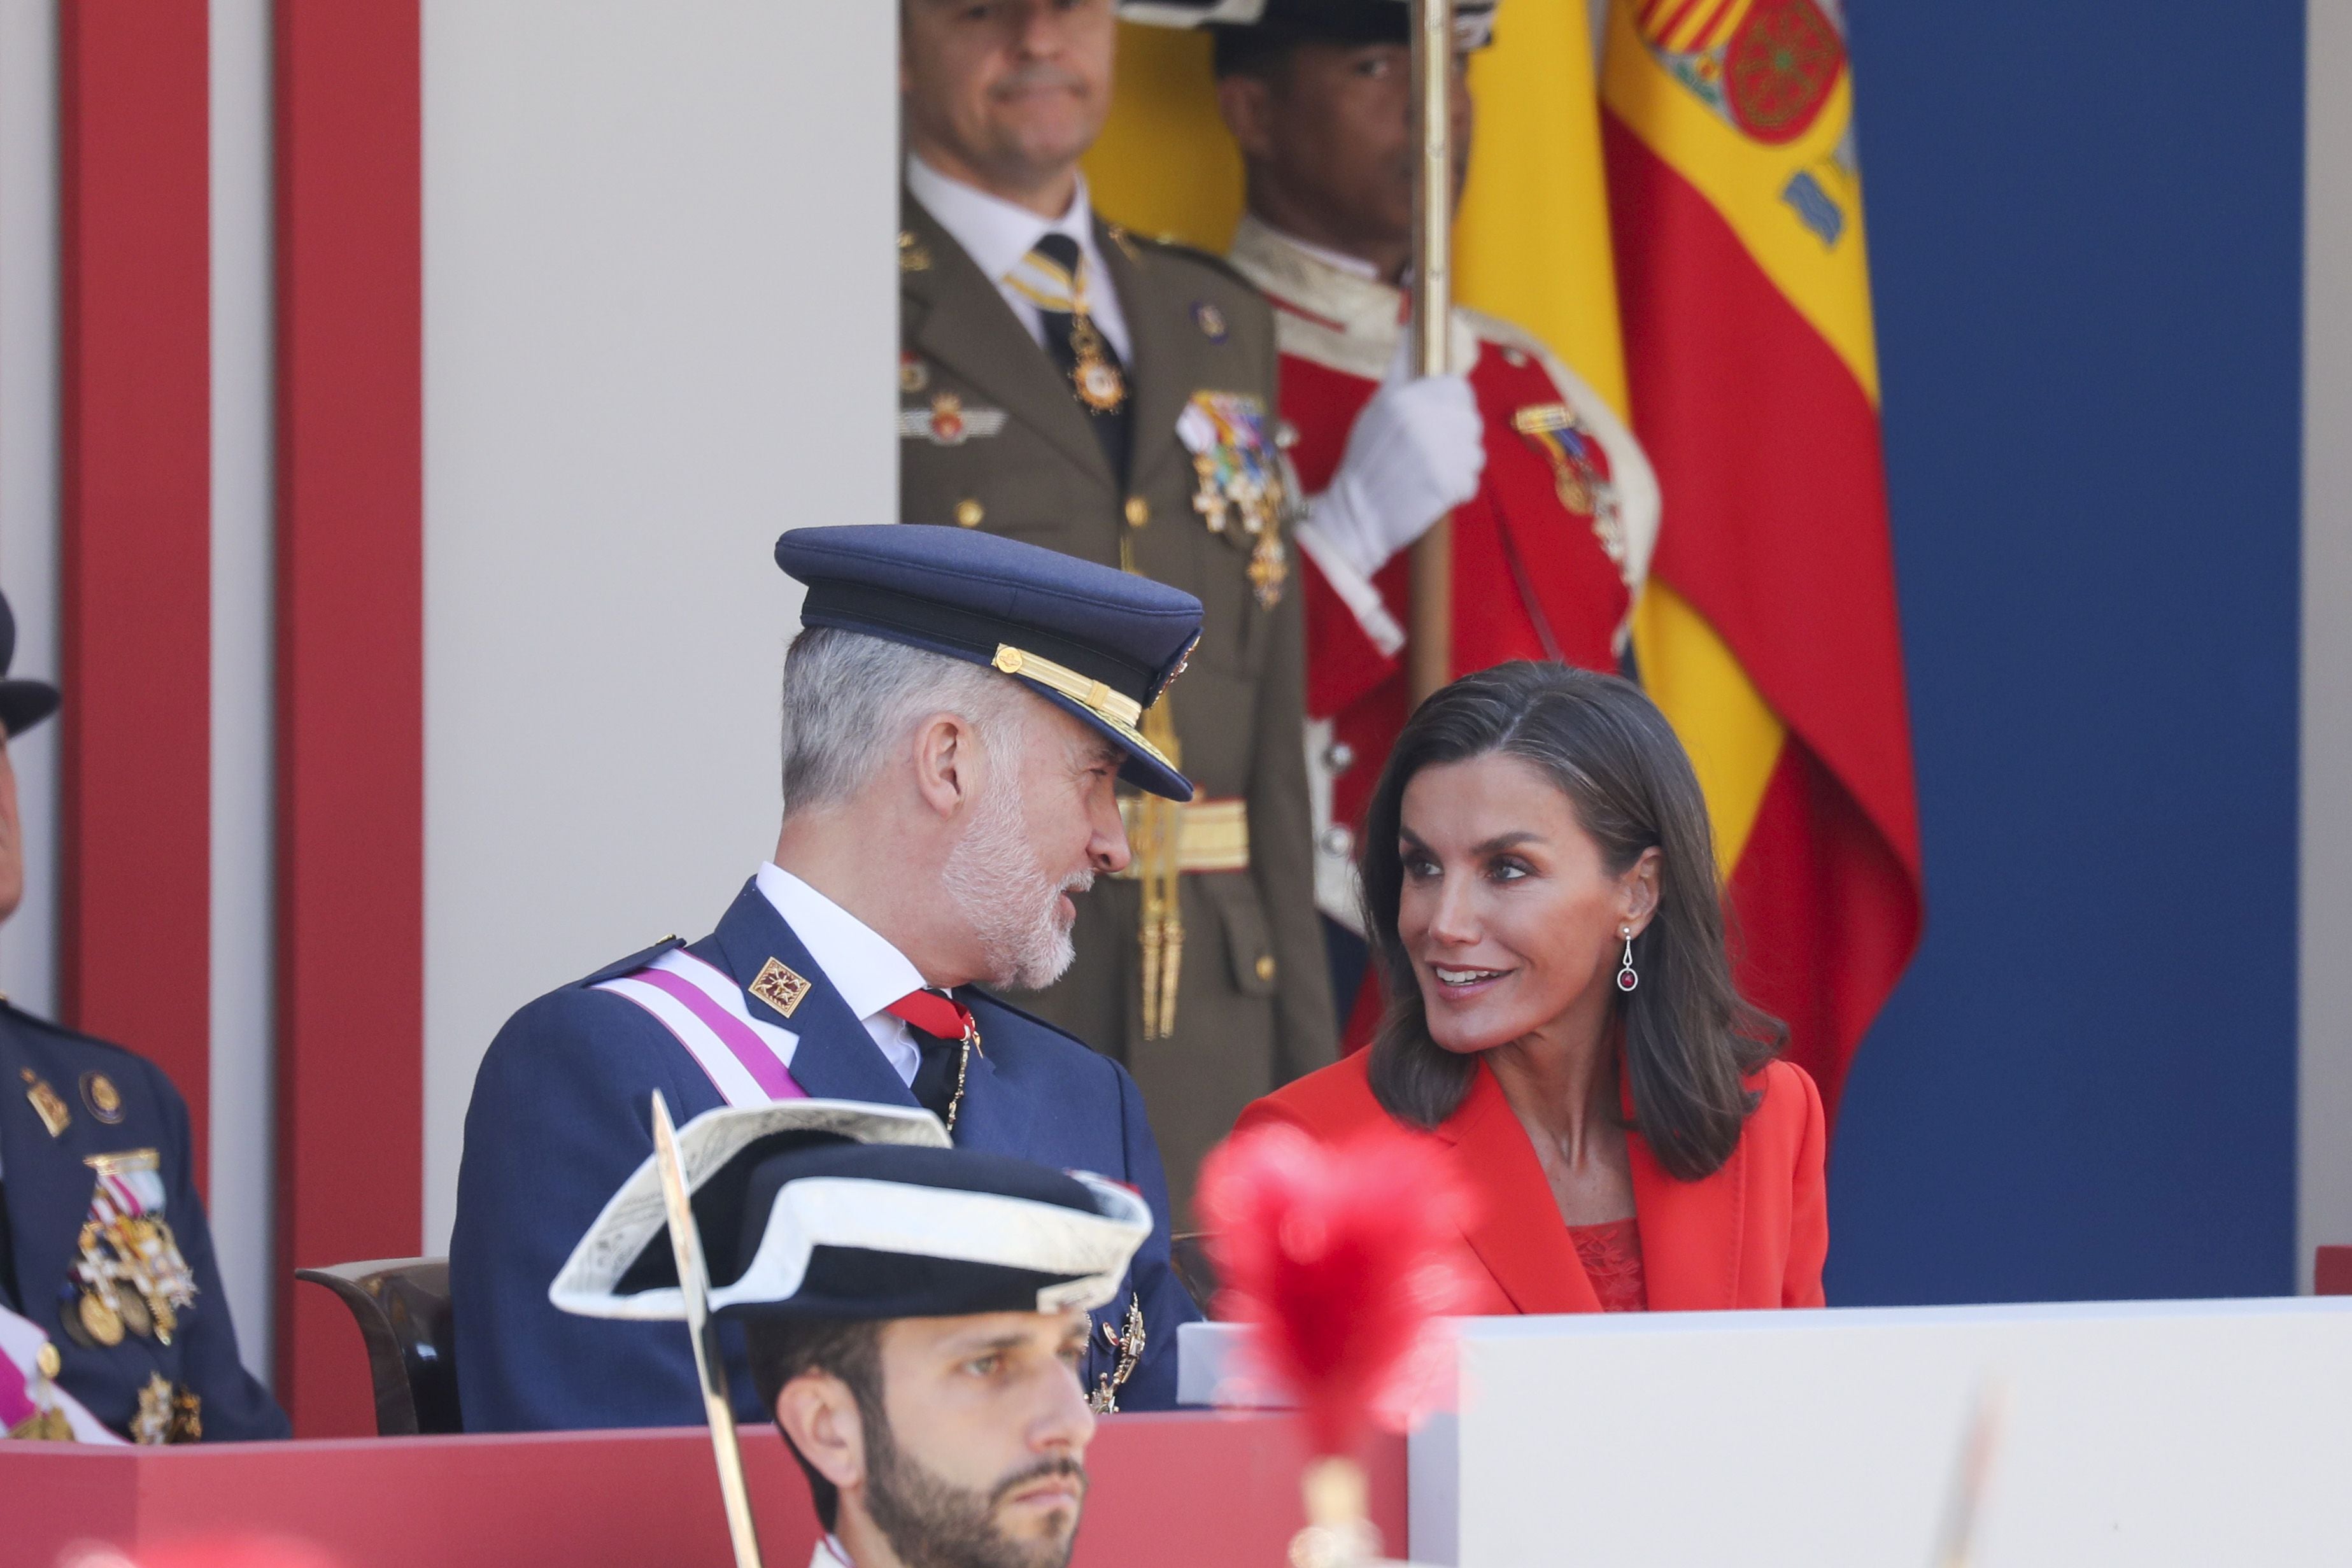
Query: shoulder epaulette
pixel 634 962
pixel 1135 245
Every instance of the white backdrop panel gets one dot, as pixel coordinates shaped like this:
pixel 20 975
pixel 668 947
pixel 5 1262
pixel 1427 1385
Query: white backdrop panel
pixel 660 328
pixel 2156 1434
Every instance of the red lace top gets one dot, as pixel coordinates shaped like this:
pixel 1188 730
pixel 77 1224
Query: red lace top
pixel 1612 1256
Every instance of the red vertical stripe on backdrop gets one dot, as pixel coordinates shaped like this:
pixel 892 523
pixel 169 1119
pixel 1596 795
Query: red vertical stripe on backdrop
pixel 350 700
pixel 135 580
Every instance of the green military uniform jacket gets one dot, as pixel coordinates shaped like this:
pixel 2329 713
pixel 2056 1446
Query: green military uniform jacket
pixel 1017 455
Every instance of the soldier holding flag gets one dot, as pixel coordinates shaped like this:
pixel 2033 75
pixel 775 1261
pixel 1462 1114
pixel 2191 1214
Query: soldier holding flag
pixel 1554 507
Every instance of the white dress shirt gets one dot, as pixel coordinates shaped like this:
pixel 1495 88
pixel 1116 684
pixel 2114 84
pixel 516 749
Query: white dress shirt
pixel 868 972
pixel 996 235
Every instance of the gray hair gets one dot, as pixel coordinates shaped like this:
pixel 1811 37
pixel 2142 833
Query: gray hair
pixel 849 700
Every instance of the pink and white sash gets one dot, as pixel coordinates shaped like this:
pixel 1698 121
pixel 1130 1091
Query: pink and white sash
pixel 748 1060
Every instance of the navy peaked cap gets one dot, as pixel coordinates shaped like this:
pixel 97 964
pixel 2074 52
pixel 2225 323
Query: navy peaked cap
pixel 1100 643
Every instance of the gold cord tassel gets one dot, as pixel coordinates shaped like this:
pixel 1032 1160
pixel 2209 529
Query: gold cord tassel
pixel 1161 935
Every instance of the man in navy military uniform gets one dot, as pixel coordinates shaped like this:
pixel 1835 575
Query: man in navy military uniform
pixel 956 716
pixel 915 1348
pixel 103 1242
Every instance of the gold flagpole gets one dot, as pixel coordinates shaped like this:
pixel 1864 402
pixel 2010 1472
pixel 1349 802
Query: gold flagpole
pixel 1429 653
pixel 685 1246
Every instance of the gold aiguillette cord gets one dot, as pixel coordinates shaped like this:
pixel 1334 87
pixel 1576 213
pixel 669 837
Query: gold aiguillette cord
pixel 1162 934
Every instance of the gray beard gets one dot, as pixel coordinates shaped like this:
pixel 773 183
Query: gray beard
pixel 930 1522
pixel 1012 904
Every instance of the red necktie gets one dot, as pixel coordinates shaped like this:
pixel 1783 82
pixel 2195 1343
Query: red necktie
pixel 941 1018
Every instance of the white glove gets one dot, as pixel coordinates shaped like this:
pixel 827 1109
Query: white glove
pixel 1415 453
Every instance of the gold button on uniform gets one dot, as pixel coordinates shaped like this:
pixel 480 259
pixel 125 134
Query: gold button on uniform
pixel 968 514
pixel 1138 511
pixel 1266 966
pixel 48 1360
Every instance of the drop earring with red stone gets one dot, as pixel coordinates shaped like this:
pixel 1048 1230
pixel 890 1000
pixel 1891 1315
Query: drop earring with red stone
pixel 1626 978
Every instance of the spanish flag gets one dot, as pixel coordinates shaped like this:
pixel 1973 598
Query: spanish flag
pixel 1769 632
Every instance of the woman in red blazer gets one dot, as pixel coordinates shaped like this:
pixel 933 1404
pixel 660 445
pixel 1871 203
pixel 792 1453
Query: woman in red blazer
pixel 1541 892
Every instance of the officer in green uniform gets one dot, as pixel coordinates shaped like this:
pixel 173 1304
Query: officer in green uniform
pixel 1064 382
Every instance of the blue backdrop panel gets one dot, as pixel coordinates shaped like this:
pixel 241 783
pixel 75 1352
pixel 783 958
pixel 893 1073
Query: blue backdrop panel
pixel 2085 233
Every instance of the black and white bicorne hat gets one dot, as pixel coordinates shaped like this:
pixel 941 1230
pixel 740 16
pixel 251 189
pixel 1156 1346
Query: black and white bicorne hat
pixel 839 1209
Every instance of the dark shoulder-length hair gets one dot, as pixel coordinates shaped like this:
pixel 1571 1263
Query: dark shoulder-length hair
pixel 1690 1039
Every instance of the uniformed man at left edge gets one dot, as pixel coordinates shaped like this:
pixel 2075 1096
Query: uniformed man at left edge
pixel 103 1243
pixel 1066 381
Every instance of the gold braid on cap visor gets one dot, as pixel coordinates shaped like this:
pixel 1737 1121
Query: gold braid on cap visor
pixel 1116 709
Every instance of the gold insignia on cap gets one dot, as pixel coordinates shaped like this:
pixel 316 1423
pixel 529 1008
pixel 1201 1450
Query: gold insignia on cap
pixel 779 986
pixel 45 1104
pixel 104 1099
pixel 1116 709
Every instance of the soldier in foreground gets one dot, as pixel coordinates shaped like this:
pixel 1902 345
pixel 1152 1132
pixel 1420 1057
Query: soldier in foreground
pixel 918 1348
pixel 1065 381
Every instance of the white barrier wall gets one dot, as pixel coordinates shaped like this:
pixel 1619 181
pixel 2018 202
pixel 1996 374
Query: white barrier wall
pixel 2141 1434
pixel 2176 1433
pixel 660 328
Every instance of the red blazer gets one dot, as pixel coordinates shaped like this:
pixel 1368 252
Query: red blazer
pixel 1754 1234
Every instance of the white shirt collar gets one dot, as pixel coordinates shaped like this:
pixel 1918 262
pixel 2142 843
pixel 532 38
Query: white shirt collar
pixel 830 1553
pixel 868 972
pixel 992 230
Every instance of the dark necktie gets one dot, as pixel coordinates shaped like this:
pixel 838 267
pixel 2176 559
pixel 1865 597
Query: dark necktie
pixel 942 1030
pixel 1052 277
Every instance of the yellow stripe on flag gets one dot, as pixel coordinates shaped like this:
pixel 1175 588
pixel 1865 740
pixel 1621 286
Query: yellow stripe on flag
pixel 1750 181
pixel 1164 165
pixel 1731 733
pixel 1532 239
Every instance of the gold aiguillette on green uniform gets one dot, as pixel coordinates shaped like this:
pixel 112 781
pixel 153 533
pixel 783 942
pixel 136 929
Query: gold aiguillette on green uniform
pixel 710 1366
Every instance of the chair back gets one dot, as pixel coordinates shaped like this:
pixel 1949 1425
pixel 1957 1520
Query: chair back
pixel 1188 1254
pixel 402 1307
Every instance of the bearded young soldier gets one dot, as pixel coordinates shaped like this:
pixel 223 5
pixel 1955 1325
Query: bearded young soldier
pixel 916 1346
pixel 956 716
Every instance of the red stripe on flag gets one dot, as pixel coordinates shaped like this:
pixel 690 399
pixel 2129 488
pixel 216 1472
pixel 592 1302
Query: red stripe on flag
pixel 1768 449
pixel 1665 29
pixel 135 556
pixel 350 705
pixel 1826 917
pixel 1713 23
